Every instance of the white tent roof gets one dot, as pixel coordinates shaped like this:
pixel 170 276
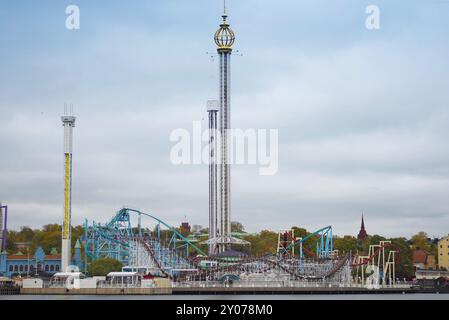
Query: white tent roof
pixel 68 274
pixel 122 274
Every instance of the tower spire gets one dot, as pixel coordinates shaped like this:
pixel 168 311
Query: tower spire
pixel 224 37
pixel 362 233
pixel 363 222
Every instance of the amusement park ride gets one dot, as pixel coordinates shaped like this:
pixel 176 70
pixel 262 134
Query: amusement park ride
pixel 162 251
pixel 380 263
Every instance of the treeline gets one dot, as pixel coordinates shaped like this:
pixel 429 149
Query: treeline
pixel 49 238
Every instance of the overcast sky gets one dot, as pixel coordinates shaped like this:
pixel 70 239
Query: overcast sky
pixel 363 116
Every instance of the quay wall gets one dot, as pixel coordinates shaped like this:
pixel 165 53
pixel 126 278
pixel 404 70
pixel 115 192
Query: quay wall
pixel 98 291
pixel 286 290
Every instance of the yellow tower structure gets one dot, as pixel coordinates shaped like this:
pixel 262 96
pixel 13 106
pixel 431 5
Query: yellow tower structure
pixel 66 254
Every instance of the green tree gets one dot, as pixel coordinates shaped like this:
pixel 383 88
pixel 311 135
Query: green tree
pixel 47 238
pixel 346 244
pixel 300 232
pixel 102 267
pixel 11 239
pixel 263 243
pixel 363 246
pixel 237 227
pixel 26 234
pixel 419 240
pixel 404 262
pixel 371 240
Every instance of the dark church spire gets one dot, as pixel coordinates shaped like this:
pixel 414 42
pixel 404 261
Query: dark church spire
pixel 362 234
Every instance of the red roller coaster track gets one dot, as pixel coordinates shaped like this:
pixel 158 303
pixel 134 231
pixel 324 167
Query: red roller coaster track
pixel 153 257
pixel 376 253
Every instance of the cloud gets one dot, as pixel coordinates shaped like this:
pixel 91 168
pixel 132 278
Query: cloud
pixel 362 116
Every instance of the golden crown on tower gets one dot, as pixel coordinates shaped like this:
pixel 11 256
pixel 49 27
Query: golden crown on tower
pixel 224 37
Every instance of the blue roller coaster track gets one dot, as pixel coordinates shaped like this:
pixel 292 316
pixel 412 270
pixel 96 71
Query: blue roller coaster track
pixel 113 239
pixel 324 244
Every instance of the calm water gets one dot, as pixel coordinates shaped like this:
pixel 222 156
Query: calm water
pixel 243 297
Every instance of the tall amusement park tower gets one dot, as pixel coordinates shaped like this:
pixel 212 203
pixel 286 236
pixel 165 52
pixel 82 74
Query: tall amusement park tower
pixel 220 238
pixel 224 39
pixel 68 124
